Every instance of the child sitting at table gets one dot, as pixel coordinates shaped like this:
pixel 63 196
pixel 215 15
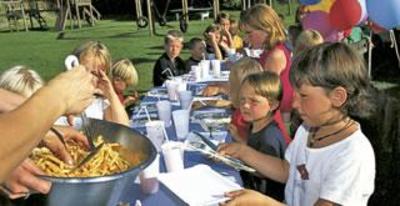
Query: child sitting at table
pixel 169 64
pixel 95 56
pixel 21 80
pixel 223 20
pixel 214 48
pixel 123 75
pixel 306 39
pixel 330 161
pixel 197 49
pixel 260 94
pixel 237 41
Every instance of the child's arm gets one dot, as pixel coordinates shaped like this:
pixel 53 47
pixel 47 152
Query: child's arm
pixel 229 39
pixel 250 197
pixel 276 62
pixel 215 45
pixel 267 165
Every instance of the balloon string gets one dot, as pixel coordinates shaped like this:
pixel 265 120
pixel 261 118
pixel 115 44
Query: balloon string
pixel 370 46
pixel 394 43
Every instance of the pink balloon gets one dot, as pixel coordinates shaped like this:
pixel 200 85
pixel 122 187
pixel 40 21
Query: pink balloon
pixel 318 20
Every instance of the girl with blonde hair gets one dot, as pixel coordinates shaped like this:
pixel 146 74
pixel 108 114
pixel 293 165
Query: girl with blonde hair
pixel 21 80
pixel 123 75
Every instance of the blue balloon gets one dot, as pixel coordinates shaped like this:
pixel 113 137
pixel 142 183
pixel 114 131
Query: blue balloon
pixel 386 13
pixel 309 2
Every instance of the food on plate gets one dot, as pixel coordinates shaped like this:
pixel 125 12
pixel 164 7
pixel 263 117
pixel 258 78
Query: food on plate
pixel 221 103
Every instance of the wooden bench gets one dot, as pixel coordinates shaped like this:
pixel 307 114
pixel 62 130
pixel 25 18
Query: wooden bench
pixel 204 12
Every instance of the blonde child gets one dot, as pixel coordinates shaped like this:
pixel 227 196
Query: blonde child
pixel 95 56
pixel 123 75
pixel 330 161
pixel 237 41
pixel 306 39
pixel 214 48
pixel 264 29
pixel 21 80
pixel 169 63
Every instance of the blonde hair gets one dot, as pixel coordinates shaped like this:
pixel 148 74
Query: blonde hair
pixel 21 80
pixel 264 18
pixel 125 70
pixel 94 49
pixel 266 84
pixel 173 35
pixel 306 39
pixel 240 70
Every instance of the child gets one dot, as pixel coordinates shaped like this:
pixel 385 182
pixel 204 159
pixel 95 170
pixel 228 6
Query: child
pixel 224 22
pixel 307 38
pixel 264 30
pixel 197 49
pixel 237 41
pixel 95 56
pixel 123 75
pixel 21 80
pixel 330 161
pixel 169 63
pixel 212 35
pixel 260 94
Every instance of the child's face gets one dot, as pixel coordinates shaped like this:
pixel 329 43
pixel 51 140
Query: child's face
pixel 253 106
pixel 313 105
pixel 173 48
pixel 256 38
pixel 225 24
pixel 119 84
pixel 198 50
pixel 93 64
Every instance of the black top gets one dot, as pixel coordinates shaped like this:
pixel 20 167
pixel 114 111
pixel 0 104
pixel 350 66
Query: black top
pixel 269 141
pixel 191 62
pixel 159 72
pixel 211 50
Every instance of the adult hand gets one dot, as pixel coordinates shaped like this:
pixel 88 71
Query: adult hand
pixel 232 149
pixel 75 89
pixel 247 197
pixel 24 179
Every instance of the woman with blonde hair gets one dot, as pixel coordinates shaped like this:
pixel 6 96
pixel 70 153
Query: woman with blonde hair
pixel 264 30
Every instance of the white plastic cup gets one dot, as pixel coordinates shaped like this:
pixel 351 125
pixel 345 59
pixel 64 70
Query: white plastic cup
pixel 216 68
pixel 172 87
pixel 164 112
pixel 197 73
pixel 185 98
pixel 181 121
pixel 205 69
pixel 173 156
pixel 211 56
pixel 148 177
pixel 155 132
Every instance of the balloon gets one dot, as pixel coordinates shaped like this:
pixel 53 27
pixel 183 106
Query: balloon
pixel 375 27
pixel 345 14
pixel 319 21
pixel 323 5
pixel 364 13
pixel 309 2
pixel 385 13
pixel 334 36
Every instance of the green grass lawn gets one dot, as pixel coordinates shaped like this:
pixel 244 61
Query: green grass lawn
pixel 42 51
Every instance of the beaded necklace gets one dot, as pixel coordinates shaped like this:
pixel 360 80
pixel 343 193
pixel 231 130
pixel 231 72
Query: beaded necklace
pixel 314 131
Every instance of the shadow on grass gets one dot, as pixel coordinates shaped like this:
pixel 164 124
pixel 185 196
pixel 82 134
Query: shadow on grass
pixel 141 60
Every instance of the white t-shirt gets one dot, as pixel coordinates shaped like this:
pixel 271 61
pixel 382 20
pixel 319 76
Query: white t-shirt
pixel 94 110
pixel 343 172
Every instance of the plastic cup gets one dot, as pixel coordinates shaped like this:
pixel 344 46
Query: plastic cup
pixel 205 69
pixel 197 73
pixel 148 177
pixel 173 156
pixel 185 98
pixel 155 132
pixel 181 121
pixel 172 87
pixel 164 112
pixel 216 68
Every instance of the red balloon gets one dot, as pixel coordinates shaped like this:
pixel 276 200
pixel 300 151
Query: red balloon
pixel 317 20
pixel 345 14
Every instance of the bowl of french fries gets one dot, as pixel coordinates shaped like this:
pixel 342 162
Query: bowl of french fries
pixel 102 180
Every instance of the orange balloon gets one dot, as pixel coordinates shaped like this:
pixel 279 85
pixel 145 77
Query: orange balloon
pixel 323 5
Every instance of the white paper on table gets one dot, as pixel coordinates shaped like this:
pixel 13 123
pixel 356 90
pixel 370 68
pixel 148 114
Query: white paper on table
pixel 199 185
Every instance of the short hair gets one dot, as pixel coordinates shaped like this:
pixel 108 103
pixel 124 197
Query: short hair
pixel 221 16
pixel 240 70
pixel 212 28
pixel 173 35
pixel 234 28
pixel 263 17
pixel 125 70
pixel 266 84
pixel 330 65
pixel 94 49
pixel 21 80
pixel 307 38
pixel 193 41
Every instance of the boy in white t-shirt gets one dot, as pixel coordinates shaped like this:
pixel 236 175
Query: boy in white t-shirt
pixel 330 161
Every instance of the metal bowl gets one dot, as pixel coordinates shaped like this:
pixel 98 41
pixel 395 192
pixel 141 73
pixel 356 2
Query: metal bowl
pixel 104 190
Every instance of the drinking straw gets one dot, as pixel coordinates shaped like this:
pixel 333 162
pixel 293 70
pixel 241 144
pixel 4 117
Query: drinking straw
pixel 147 113
pixel 139 112
pixel 169 71
pixel 165 134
